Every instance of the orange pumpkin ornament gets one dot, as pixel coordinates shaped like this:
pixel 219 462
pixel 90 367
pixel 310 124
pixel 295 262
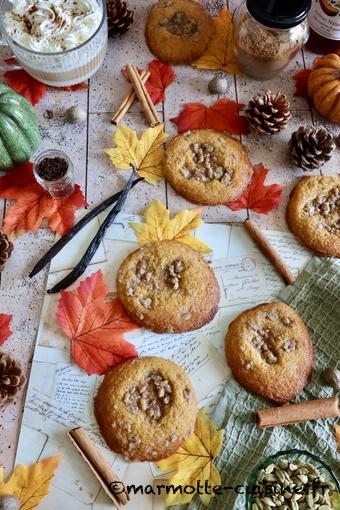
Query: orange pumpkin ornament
pixel 324 86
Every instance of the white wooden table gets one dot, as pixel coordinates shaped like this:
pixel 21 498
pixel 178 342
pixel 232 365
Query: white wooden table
pixel 21 296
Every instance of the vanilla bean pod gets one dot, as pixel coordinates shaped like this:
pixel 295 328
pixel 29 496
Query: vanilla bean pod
pixel 93 246
pixel 63 241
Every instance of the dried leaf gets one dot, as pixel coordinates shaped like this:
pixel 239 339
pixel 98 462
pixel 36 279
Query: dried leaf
pixel 335 500
pixel 258 197
pixel 73 88
pixel 34 204
pixel 222 115
pixel 220 53
pixel 301 79
pixel 145 153
pixel 160 227
pixel 5 330
pixel 30 485
pixel 194 461
pixel 162 75
pixel 337 434
pixel 24 84
pixel 95 326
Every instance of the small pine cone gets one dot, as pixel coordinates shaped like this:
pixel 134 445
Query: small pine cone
pixel 311 147
pixel 6 248
pixel 119 17
pixel 268 113
pixel 12 379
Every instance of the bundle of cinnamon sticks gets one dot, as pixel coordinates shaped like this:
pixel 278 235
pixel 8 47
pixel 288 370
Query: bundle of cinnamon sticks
pixel 139 90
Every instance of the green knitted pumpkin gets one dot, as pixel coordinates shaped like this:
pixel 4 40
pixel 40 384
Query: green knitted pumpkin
pixel 19 130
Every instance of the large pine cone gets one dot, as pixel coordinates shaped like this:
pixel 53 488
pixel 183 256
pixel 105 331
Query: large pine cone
pixel 6 248
pixel 268 113
pixel 120 18
pixel 311 147
pixel 12 379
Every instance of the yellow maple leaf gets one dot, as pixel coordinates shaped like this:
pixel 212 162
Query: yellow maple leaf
pixel 159 226
pixel 145 153
pixel 30 485
pixel 220 53
pixel 193 462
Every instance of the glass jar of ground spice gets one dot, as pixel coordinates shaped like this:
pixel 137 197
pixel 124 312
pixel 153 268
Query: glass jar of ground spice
pixel 268 34
pixel 53 170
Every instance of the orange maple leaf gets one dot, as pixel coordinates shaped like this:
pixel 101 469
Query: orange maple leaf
pixel 95 326
pixel 220 53
pixel 34 204
pixel 222 115
pixel 5 330
pixel 258 197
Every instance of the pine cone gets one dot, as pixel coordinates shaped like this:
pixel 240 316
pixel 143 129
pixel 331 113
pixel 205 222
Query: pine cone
pixel 6 248
pixel 268 113
pixel 311 147
pixel 120 18
pixel 11 378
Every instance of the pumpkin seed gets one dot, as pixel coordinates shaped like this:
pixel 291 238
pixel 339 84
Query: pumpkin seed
pixel 254 506
pixel 268 501
pixel 269 469
pixel 324 507
pixel 303 478
pixel 294 505
pixel 283 463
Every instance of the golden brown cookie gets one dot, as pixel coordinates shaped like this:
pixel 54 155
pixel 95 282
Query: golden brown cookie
pixel 178 31
pixel 313 213
pixel 270 352
pixel 168 287
pixel 146 408
pixel 207 167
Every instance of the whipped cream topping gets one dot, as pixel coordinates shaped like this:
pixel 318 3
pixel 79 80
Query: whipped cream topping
pixel 52 26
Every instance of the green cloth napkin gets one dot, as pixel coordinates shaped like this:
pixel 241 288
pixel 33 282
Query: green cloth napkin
pixel 316 297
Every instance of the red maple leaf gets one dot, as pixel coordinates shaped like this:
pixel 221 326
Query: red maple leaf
pixel 258 197
pixel 5 330
pixel 222 115
pixel 162 75
pixel 72 88
pixel 301 79
pixel 95 326
pixel 24 84
pixel 33 204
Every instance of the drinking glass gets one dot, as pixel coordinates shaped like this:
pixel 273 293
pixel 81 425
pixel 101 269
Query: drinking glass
pixel 64 68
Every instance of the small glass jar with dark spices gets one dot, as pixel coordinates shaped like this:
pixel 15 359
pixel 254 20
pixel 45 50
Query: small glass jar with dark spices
pixel 53 170
pixel 268 34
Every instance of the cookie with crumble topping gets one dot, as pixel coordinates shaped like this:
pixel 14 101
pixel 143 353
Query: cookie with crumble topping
pixel 168 287
pixel 270 351
pixel 313 213
pixel 178 31
pixel 207 167
pixel 146 408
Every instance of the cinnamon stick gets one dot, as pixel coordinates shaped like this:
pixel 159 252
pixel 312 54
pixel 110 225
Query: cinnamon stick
pixel 296 413
pixel 98 465
pixel 128 100
pixel 143 95
pixel 269 251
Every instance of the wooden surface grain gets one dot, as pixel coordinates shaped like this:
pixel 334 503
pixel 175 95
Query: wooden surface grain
pixel 85 143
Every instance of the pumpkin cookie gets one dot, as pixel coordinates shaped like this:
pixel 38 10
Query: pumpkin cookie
pixel 313 213
pixel 178 31
pixel 207 167
pixel 146 408
pixel 270 352
pixel 168 287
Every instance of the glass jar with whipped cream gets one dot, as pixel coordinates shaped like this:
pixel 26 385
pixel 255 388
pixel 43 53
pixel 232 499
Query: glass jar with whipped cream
pixel 58 42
